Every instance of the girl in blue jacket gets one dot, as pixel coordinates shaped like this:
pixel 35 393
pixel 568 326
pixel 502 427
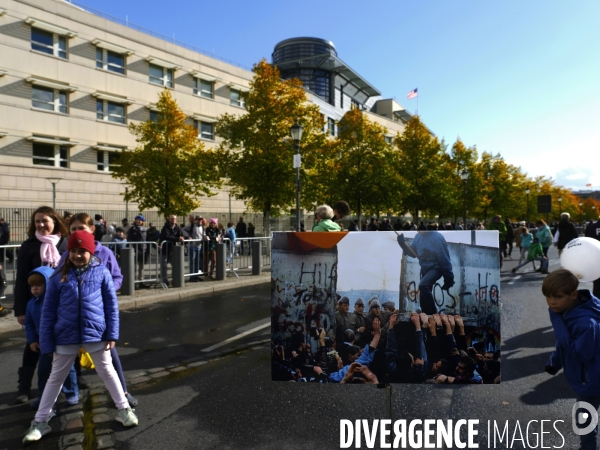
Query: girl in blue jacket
pixel 80 310
pixel 84 222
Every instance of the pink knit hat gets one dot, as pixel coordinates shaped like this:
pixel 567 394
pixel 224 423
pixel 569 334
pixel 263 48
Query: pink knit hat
pixel 214 220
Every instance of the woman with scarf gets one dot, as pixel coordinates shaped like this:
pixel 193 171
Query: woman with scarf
pixel 46 231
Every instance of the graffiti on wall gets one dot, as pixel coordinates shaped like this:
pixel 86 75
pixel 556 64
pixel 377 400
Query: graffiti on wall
pixel 303 291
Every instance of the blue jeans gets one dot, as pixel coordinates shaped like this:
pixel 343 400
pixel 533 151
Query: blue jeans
pixel 195 259
pixel 70 387
pixel 429 277
pixel 230 252
pixel 44 369
pixel 590 441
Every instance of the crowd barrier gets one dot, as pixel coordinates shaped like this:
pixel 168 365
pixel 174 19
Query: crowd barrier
pixel 150 264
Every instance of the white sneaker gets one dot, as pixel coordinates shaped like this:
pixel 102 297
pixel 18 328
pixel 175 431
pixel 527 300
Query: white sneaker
pixel 36 431
pixel 127 417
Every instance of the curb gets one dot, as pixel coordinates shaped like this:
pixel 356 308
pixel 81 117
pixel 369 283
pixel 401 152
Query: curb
pixel 148 297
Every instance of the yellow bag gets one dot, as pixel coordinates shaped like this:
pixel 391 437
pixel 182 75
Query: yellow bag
pixel 85 359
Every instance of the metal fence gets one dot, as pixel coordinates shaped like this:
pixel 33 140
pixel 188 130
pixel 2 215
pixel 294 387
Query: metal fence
pixel 150 257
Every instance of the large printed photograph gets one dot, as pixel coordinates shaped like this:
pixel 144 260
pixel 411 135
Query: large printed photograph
pixel 386 307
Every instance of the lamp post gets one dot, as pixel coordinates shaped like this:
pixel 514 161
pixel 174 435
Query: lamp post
pixel 54 182
pixel 296 132
pixel 559 207
pixel 126 202
pixel 527 191
pixel 580 210
pixel 464 175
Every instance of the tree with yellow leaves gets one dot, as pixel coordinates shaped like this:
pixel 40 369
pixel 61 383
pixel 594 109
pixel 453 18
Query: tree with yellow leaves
pixel 169 169
pixel 257 152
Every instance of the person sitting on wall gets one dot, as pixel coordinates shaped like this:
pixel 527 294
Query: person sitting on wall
pixel 431 249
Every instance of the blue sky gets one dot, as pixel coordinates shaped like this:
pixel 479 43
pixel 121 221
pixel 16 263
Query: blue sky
pixel 519 78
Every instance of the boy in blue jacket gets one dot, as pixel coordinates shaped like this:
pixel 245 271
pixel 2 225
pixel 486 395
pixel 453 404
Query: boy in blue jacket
pixel 575 317
pixel 38 279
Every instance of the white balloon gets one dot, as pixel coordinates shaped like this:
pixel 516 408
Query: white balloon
pixel 581 256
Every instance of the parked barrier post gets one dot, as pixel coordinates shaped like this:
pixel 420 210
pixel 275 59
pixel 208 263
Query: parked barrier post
pixel 177 263
pixel 256 254
pixel 128 271
pixel 221 248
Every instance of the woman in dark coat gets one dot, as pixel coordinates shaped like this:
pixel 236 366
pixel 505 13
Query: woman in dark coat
pixel 46 231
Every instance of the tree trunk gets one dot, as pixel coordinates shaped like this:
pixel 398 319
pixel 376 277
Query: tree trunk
pixel 266 221
pixel 359 217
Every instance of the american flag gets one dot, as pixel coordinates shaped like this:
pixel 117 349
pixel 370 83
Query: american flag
pixel 412 94
pixel 588 185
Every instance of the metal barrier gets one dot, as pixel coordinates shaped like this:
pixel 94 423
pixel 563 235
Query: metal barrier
pixel 146 260
pixel 149 257
pixel 242 257
pixel 8 261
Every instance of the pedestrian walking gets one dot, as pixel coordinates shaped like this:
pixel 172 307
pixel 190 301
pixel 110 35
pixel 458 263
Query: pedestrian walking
pixel 510 238
pixel 544 235
pixel 566 232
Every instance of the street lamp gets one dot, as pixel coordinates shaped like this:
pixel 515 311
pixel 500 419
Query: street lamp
pixel 527 191
pixel 54 182
pixel 296 132
pixel 464 175
pixel 559 207
pixel 126 200
pixel 580 210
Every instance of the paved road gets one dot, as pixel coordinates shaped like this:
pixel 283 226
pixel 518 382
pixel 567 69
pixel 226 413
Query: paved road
pixel 230 402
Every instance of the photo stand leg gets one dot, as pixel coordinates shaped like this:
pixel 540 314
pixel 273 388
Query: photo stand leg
pixel 388 392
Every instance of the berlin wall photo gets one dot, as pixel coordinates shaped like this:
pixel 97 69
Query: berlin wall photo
pixel 421 286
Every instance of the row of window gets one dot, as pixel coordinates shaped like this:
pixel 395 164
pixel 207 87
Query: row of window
pixel 106 110
pixel 54 155
pixel 56 45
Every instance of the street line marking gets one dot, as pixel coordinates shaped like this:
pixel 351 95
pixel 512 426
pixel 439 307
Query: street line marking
pixel 239 336
pixel 515 279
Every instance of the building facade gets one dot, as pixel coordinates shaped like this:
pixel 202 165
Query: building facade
pixel 71 82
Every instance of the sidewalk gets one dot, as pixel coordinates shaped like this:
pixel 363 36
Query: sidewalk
pixel 144 297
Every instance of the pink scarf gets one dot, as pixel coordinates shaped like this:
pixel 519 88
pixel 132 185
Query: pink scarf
pixel 48 251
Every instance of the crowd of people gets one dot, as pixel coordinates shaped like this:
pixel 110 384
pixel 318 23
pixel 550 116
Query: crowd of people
pixel 199 236
pixel 67 276
pixel 379 347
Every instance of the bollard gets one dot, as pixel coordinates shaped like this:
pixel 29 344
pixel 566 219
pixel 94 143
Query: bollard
pixel 221 249
pixel 256 250
pixel 205 258
pixel 178 266
pixel 128 271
